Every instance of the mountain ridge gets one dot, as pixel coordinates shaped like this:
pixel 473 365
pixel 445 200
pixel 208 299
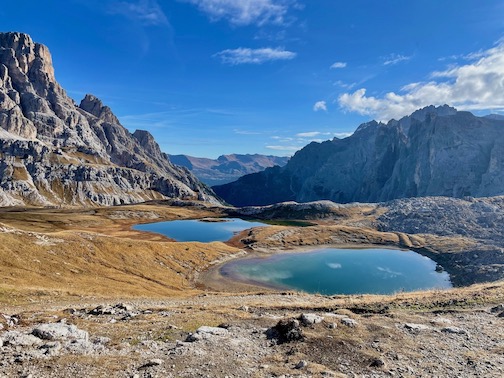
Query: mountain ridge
pixel 436 151
pixel 227 168
pixel 57 153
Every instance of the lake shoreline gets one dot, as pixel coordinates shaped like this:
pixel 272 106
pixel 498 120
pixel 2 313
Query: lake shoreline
pixel 213 278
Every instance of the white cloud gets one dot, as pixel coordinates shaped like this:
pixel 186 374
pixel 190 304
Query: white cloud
pixel 245 12
pixel 246 132
pixel 394 59
pixel 254 56
pixel 284 148
pixel 478 85
pixel 147 12
pixel 309 134
pixel 338 65
pixel 320 105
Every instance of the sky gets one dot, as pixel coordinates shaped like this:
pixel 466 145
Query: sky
pixel 212 77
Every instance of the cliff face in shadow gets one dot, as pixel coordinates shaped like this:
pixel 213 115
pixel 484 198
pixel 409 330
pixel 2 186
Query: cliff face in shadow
pixel 433 152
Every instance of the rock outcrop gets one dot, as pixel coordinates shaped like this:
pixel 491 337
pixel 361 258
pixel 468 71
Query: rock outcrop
pixel 433 152
pixel 56 153
pixel 227 168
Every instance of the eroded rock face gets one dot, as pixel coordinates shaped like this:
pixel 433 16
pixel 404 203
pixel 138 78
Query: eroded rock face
pixel 433 152
pixel 53 152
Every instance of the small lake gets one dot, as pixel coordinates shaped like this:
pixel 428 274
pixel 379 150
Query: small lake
pixel 342 271
pixel 218 229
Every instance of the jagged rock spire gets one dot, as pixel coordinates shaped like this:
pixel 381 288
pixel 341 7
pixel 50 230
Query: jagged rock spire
pixel 55 152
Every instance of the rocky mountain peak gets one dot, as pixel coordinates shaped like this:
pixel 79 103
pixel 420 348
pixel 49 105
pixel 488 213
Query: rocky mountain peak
pixel 147 141
pixel 55 153
pixel 422 114
pixel 368 127
pixel 94 106
pixel 27 53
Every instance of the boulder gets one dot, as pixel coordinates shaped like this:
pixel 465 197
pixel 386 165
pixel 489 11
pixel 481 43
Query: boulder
pixel 59 331
pixel 309 319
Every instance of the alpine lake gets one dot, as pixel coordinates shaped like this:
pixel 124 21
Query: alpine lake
pixel 327 271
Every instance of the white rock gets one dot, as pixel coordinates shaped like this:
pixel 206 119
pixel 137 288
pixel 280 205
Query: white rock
pixel 57 331
pixel 416 327
pixel 212 330
pixel 309 319
pixel 16 338
pixel 206 332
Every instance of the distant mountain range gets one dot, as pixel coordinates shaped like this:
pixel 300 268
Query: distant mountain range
pixel 226 168
pixel 436 151
pixel 54 152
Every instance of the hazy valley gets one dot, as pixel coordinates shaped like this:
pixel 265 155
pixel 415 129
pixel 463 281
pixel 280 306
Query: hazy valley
pixel 226 168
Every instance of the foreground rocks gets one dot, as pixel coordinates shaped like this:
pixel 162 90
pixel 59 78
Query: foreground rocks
pixel 269 340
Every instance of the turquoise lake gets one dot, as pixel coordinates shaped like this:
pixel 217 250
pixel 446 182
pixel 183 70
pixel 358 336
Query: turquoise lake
pixel 342 271
pixel 199 230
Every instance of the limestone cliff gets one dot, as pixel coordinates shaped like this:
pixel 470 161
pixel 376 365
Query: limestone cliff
pixel 54 152
pixel 433 152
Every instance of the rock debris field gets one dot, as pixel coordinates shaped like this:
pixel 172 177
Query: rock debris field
pixel 268 335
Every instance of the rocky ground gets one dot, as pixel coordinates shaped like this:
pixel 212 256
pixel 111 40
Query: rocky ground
pixel 261 335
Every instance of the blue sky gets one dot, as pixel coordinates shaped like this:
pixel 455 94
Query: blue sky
pixel 211 77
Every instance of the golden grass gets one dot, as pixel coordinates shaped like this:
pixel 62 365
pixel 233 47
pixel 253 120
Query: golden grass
pixel 94 253
pixel 92 265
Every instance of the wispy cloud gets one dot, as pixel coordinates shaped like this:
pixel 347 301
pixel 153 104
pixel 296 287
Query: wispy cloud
pixel 311 134
pixel 245 12
pixel 338 65
pixel 299 140
pixel 254 56
pixel 342 84
pixel 147 12
pixel 478 85
pixel 284 148
pixel 394 59
pixel 246 132
pixel 320 105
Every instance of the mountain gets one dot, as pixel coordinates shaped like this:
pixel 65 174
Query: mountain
pixel 227 168
pixel 55 152
pixel 436 151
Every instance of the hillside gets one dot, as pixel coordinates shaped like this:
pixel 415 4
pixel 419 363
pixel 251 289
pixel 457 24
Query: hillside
pixel 433 152
pixel 227 168
pixel 54 152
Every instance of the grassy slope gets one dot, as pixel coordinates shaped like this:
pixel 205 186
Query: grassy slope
pixel 94 253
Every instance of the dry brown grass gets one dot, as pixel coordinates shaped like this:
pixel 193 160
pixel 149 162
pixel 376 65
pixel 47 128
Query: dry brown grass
pixel 93 253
